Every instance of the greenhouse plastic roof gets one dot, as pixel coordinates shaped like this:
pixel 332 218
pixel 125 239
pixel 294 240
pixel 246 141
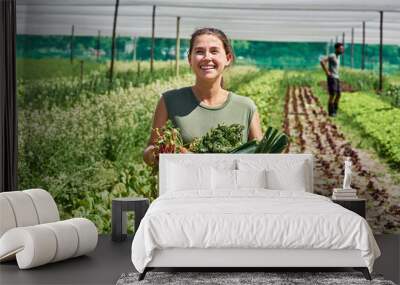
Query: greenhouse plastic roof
pixel 273 20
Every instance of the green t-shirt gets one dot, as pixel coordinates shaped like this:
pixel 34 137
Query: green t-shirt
pixel 194 119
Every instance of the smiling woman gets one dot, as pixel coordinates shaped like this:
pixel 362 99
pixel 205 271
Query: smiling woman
pixel 198 108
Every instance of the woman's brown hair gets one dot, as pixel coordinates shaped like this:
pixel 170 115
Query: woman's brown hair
pixel 219 34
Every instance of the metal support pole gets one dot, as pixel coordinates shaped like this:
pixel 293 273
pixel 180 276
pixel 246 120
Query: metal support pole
pixel 177 46
pixel 113 45
pixel 352 47
pixel 117 47
pixel 71 44
pixel 363 48
pixel 381 53
pixel 98 45
pixel 152 39
pixel 134 49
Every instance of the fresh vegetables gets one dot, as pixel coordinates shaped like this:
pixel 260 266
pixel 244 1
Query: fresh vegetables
pixel 249 147
pixel 169 139
pixel 272 142
pixel 221 139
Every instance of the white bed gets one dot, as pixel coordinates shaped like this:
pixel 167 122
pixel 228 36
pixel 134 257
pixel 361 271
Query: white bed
pixel 197 224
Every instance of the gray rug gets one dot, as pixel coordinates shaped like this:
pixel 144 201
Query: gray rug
pixel 243 278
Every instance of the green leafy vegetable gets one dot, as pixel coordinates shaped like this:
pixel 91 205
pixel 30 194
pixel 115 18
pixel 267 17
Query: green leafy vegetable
pixel 221 139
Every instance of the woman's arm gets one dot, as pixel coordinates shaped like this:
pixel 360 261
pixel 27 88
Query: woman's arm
pixel 160 117
pixel 255 128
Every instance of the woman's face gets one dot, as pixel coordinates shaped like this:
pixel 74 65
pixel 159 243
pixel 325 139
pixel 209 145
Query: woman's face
pixel 208 58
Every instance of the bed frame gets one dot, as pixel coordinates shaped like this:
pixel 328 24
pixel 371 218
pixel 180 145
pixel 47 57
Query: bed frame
pixel 246 259
pixel 250 258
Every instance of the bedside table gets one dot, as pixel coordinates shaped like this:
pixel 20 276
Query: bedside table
pixel 358 206
pixel 119 208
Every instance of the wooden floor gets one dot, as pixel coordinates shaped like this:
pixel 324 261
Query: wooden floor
pixel 111 259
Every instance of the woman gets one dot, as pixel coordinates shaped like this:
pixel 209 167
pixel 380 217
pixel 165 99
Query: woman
pixel 198 108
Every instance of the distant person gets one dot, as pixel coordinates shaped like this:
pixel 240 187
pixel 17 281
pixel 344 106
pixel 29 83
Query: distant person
pixel 332 73
pixel 198 108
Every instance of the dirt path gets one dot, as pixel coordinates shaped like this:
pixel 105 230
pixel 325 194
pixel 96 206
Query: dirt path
pixel 312 131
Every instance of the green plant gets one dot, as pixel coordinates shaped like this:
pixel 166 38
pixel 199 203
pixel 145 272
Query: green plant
pixel 392 93
pixel 221 139
pixel 248 147
pixel 272 142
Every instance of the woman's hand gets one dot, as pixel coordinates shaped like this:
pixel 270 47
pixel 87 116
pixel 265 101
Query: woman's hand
pixel 149 155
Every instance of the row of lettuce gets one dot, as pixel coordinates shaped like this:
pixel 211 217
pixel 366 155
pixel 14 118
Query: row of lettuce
pixel 374 117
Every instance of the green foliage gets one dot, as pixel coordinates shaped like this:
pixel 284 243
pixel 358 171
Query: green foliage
pixel 91 152
pixel 69 90
pixel 392 93
pixel 35 69
pixel 378 120
pixel 272 142
pixel 297 79
pixel 266 91
pixel 360 80
pixel 221 139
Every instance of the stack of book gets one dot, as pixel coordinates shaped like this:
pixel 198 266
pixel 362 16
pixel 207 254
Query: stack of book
pixel 344 194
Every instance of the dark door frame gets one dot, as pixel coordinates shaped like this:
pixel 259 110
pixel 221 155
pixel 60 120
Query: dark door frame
pixel 8 104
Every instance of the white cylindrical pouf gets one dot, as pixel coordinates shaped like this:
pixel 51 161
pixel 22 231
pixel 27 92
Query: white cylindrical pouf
pixel 7 218
pixel 87 233
pixel 67 239
pixel 45 206
pixel 34 245
pixel 23 207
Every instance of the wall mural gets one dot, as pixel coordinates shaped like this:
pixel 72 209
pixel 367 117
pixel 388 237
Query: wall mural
pixel 82 138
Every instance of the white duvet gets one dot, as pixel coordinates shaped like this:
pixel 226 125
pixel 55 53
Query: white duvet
pixel 251 218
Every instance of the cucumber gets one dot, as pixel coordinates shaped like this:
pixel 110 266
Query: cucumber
pixel 248 147
pixel 272 142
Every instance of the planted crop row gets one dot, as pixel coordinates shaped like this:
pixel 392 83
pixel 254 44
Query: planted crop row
pixel 314 132
pixel 265 90
pixel 68 91
pixel 378 121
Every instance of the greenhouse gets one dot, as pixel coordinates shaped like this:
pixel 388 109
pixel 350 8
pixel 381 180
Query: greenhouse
pixel 101 100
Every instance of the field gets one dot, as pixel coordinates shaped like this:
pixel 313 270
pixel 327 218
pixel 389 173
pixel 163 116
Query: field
pixel 82 139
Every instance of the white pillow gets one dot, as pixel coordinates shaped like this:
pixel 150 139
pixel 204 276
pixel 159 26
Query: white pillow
pixel 251 178
pixel 181 177
pixel 291 175
pixel 237 179
pixel 224 179
pixel 292 179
